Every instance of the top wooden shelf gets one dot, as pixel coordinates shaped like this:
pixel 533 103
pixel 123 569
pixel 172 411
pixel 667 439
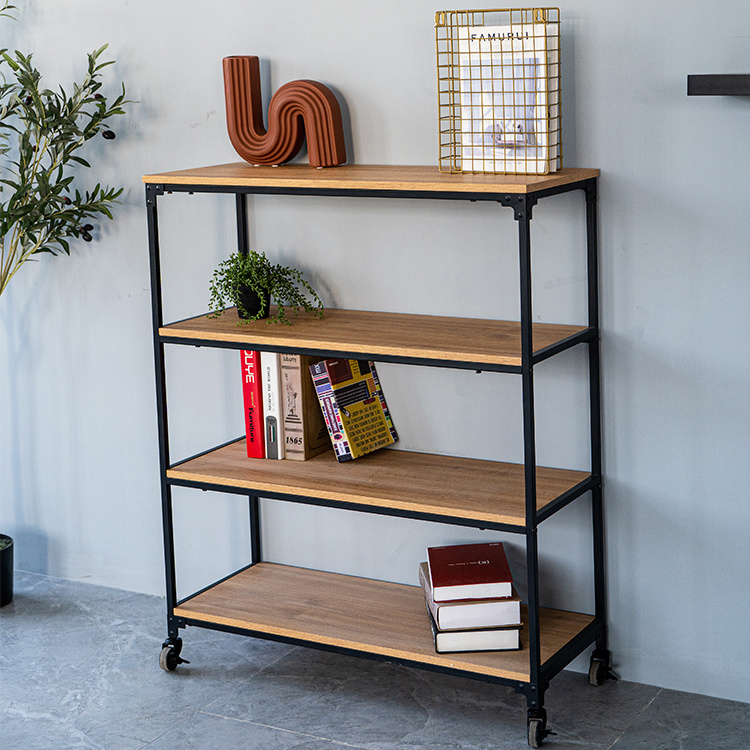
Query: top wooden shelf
pixel 364 178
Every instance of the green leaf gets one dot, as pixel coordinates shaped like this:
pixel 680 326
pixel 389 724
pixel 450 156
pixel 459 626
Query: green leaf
pixel 43 204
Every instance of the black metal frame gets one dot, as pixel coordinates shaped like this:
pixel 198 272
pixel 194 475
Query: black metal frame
pixel 522 206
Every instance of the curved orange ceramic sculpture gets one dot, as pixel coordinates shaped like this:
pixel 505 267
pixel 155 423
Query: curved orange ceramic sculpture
pixel 297 109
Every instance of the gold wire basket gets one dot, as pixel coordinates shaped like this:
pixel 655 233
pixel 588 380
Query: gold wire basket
pixel 498 75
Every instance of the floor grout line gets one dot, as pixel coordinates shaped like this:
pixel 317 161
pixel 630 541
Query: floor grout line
pixel 291 651
pixel 171 729
pixel 636 717
pixel 282 729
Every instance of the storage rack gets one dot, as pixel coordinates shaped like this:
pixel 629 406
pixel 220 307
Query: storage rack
pixel 263 599
pixel 478 82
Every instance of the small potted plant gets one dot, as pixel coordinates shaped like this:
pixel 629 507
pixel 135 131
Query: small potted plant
pixel 249 282
pixel 6 569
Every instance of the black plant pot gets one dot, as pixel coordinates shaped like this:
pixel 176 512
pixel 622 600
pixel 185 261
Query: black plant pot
pixel 6 571
pixel 253 303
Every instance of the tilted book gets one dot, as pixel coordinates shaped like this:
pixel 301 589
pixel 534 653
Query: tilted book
pixel 509 85
pixel 353 406
pixel 469 614
pixel 305 431
pixel 469 571
pixel 273 419
pixel 492 639
pixel 252 398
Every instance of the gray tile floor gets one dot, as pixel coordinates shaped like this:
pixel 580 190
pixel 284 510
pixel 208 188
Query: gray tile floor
pixel 79 669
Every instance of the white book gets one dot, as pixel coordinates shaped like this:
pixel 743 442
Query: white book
pixel 509 98
pixel 305 431
pixel 493 639
pixel 470 613
pixel 270 367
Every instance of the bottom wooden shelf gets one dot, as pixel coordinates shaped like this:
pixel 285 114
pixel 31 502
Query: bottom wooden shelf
pixel 359 614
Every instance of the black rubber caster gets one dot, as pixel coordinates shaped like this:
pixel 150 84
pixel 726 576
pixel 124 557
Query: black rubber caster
pixel 597 672
pixel 599 669
pixel 536 732
pixel 537 727
pixel 169 658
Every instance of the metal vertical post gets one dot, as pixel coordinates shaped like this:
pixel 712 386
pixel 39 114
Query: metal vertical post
pixel 256 551
pixel 592 243
pixel 152 192
pixel 243 242
pixel 535 697
pixel 243 246
pixel 592 254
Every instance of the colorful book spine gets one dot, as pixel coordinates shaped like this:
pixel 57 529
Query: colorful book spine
pixel 353 406
pixel 272 412
pixel 252 398
pixel 305 431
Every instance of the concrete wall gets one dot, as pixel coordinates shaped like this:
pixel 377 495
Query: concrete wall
pixel 78 451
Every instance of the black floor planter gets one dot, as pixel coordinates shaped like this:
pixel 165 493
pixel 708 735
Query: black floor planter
pixel 6 569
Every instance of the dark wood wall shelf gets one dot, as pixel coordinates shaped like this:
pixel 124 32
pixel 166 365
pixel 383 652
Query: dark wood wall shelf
pixel 729 84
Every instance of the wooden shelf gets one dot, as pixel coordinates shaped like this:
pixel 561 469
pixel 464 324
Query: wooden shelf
pixel 369 178
pixel 360 614
pixel 401 481
pixel 376 335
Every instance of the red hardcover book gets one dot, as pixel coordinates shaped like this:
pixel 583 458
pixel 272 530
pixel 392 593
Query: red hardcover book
pixel 253 404
pixel 469 571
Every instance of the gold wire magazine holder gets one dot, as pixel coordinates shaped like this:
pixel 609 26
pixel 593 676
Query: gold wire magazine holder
pixel 498 77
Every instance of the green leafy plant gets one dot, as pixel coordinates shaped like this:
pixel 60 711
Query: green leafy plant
pixel 284 285
pixel 41 132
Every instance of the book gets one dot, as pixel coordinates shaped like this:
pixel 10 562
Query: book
pixel 509 84
pixel 305 431
pixel 469 614
pixel 353 406
pixel 490 639
pixel 469 571
pixel 252 399
pixel 273 420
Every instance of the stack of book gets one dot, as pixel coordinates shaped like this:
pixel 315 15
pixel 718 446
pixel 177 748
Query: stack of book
pixel 283 418
pixel 470 598
pixel 297 406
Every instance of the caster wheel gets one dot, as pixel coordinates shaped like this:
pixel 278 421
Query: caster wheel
pixel 537 727
pixel 597 672
pixel 536 732
pixel 600 669
pixel 169 658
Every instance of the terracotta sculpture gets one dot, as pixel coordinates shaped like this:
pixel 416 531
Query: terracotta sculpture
pixel 296 110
